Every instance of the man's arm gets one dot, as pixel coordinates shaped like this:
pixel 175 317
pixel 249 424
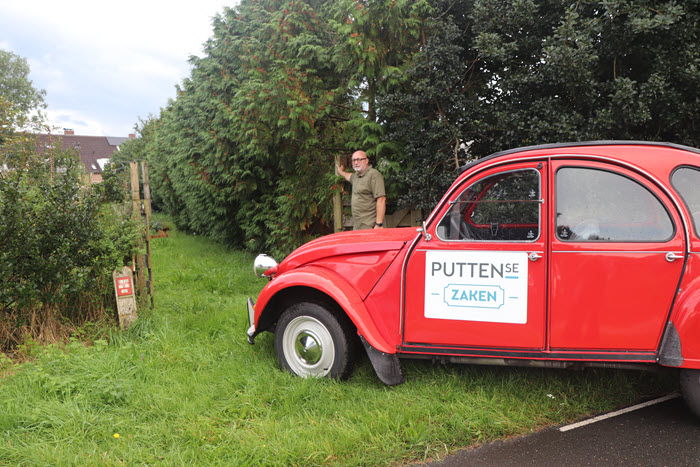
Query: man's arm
pixel 381 210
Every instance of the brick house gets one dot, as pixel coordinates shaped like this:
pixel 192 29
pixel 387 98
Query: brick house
pixel 95 151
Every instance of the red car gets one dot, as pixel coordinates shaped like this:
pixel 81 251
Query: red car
pixel 563 255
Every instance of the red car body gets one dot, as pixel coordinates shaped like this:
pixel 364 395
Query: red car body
pixel 581 254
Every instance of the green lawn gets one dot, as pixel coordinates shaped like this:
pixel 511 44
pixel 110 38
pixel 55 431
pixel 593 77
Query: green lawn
pixel 183 387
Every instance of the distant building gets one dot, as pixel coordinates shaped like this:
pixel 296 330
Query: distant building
pixel 95 151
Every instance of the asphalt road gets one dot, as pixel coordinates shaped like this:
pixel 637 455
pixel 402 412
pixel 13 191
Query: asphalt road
pixel 664 434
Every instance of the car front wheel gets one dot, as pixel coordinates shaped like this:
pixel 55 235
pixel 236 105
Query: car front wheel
pixel 690 387
pixel 313 341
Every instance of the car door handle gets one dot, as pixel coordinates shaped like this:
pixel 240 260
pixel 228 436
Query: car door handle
pixel 534 256
pixel 671 257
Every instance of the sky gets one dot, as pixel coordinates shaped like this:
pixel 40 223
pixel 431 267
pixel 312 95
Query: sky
pixel 105 65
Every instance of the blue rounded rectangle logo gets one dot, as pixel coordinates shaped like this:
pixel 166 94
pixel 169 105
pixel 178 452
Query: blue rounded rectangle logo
pixel 474 296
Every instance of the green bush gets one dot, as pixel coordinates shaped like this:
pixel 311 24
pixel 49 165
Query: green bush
pixel 60 240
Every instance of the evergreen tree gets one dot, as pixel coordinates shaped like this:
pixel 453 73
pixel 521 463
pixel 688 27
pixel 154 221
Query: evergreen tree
pixel 245 152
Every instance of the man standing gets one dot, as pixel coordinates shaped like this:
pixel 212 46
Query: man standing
pixel 368 195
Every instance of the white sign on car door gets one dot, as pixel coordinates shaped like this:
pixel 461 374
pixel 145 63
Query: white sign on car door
pixel 484 286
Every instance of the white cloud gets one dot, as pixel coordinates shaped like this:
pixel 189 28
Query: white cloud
pixel 78 120
pixel 106 64
pixel 53 78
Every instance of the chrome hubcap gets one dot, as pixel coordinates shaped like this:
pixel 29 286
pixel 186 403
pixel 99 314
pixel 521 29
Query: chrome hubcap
pixel 308 348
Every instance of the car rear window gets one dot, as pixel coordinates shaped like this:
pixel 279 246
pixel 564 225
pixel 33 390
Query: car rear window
pixel 686 181
pixel 595 205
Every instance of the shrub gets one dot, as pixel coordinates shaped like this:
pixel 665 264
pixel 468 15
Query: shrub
pixel 60 239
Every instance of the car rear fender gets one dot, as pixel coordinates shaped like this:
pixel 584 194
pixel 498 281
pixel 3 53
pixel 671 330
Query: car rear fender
pixel 309 282
pixel 681 344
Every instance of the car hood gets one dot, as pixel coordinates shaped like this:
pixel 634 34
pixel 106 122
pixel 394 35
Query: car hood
pixel 345 243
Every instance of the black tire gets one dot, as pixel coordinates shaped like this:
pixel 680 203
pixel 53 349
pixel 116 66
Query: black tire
pixel 314 341
pixel 690 386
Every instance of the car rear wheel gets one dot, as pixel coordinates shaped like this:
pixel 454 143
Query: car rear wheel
pixel 690 387
pixel 313 341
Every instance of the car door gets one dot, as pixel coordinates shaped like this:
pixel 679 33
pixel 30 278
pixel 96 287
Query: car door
pixel 478 279
pixel 616 260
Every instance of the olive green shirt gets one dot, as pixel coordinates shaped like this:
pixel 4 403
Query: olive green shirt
pixel 366 188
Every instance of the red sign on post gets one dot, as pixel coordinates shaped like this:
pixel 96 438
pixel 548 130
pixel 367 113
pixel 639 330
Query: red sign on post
pixel 123 286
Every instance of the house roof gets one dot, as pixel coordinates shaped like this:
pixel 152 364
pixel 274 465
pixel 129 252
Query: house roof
pixel 115 140
pixel 94 151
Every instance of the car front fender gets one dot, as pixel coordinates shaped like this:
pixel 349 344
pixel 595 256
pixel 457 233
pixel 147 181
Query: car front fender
pixel 330 284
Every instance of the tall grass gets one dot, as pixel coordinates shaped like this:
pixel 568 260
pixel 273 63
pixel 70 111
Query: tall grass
pixel 183 387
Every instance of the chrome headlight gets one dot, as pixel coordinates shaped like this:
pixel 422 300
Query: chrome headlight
pixel 264 266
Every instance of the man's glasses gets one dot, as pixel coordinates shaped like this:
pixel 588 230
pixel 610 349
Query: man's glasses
pixel 358 160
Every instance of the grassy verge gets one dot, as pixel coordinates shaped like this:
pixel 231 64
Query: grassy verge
pixel 182 386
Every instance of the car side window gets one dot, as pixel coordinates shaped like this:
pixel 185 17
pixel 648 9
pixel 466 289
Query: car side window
pixel 502 207
pixel 595 205
pixel 686 181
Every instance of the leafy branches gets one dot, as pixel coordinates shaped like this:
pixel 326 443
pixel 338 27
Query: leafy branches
pixel 245 152
pixel 18 97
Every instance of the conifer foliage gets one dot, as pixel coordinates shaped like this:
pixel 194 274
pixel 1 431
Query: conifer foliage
pixel 245 151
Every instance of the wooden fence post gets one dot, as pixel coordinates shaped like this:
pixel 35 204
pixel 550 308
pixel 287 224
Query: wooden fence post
pixel 147 206
pixel 140 263
pixel 337 206
pixel 135 198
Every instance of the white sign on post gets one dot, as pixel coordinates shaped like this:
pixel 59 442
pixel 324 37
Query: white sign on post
pixel 476 286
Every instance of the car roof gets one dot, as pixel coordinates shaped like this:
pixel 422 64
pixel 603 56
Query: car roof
pixel 576 144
